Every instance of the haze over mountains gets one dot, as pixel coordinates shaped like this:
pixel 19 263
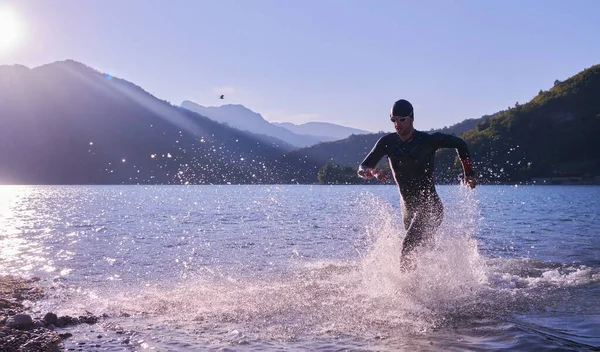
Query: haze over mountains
pixel 66 123
pixel 240 117
pixel 321 129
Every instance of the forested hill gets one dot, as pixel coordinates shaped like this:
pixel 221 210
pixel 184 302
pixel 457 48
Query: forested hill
pixel 553 135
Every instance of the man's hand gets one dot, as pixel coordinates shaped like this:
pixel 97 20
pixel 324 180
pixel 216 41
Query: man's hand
pixel 381 175
pixel 366 173
pixel 370 172
pixel 470 182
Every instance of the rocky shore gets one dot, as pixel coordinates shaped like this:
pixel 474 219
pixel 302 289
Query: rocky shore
pixel 22 332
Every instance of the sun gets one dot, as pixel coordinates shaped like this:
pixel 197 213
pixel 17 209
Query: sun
pixel 10 29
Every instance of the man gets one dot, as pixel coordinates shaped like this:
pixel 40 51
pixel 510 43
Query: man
pixel 411 156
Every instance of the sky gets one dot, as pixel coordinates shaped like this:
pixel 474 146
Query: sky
pixel 343 62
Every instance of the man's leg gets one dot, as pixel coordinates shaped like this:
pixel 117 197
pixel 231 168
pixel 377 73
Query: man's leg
pixel 415 237
pixel 420 231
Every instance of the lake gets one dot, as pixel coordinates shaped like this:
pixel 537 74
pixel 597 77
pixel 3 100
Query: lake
pixel 299 267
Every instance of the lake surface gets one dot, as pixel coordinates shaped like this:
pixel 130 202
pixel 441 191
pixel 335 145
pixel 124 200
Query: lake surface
pixel 242 268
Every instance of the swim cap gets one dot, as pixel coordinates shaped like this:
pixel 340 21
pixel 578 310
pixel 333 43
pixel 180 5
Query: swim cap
pixel 402 108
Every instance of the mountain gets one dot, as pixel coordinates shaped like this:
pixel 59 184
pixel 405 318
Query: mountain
pixel 242 118
pixel 552 136
pixel 66 123
pixel 321 129
pixel 461 127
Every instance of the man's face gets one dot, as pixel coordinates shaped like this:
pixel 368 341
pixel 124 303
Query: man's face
pixel 402 124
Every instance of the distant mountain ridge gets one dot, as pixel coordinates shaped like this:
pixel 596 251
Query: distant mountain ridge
pixel 321 129
pixel 240 117
pixel 66 123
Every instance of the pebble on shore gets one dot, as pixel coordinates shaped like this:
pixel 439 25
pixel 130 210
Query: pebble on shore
pixel 18 330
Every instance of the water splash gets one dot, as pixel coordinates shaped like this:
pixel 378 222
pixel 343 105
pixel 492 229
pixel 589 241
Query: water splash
pixel 360 295
pixel 365 297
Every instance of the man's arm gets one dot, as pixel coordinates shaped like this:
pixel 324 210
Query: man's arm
pixel 448 141
pixel 469 178
pixel 367 167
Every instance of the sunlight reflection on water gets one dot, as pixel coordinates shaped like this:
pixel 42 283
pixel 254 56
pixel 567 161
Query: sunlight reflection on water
pixel 303 266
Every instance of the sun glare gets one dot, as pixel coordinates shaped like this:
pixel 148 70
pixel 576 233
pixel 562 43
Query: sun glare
pixel 10 29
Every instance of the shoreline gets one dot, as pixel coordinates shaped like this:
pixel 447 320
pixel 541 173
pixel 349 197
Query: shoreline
pixel 17 332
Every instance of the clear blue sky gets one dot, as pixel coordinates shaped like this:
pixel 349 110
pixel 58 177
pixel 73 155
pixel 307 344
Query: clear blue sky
pixel 338 61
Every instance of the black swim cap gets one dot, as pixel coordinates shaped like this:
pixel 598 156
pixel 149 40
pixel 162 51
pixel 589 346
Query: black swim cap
pixel 402 108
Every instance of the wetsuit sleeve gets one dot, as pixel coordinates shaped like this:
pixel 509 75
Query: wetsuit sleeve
pixel 441 140
pixel 378 152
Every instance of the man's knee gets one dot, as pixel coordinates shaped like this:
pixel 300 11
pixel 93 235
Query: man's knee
pixel 414 241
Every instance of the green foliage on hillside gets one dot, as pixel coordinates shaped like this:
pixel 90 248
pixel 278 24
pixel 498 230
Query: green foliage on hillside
pixel 552 135
pixel 334 174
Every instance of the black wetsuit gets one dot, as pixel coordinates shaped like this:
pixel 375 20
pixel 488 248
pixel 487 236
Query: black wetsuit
pixel 412 163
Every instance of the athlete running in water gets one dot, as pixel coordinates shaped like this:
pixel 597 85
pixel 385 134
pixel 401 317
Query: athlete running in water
pixel 411 156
